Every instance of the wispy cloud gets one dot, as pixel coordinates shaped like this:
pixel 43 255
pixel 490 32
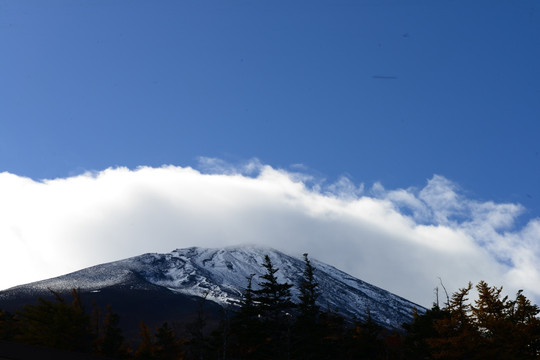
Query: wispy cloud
pixel 401 240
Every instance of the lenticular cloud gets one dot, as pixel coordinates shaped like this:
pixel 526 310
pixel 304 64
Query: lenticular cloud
pixel 402 240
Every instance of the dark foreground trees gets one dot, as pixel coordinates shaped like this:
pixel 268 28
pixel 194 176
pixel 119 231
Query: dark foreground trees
pixel 64 325
pixel 268 325
pixel 56 324
pixel 490 327
pixel 262 328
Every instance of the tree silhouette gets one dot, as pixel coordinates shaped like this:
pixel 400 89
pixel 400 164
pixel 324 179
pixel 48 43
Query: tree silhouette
pixel 307 329
pixel 147 348
pixel 308 293
pixel 167 346
pixel 56 324
pixel 273 298
pixel 110 341
pixel 494 327
pixel 274 305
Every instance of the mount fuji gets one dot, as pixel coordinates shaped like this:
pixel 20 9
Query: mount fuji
pixel 170 284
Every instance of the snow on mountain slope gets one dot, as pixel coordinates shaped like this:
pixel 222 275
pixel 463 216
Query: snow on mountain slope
pixel 221 275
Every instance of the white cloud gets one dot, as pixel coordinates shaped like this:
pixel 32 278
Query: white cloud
pixel 401 240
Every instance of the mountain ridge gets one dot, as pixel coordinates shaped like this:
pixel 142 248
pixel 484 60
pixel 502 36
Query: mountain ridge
pixel 220 275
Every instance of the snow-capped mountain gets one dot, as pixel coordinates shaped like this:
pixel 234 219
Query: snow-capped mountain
pixel 221 275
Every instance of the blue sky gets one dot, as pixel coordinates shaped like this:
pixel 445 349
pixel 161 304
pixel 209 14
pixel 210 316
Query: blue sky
pixel 392 93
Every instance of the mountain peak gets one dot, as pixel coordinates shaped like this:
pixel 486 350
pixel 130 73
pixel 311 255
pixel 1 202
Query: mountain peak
pixel 220 275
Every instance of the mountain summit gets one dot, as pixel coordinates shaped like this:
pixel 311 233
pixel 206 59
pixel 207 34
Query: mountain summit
pixel 221 275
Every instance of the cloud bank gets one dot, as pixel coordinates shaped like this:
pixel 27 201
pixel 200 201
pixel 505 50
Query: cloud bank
pixel 401 240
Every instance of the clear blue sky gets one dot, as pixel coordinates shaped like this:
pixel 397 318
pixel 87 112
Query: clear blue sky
pixel 391 91
pixel 386 91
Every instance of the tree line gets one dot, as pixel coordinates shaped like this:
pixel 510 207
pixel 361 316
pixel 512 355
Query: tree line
pixel 269 325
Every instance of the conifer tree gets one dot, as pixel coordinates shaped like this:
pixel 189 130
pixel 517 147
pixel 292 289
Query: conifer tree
pixel 457 334
pixel 247 305
pixel 273 298
pixel 332 330
pixel 220 339
pixel 524 316
pixel 493 328
pixel 274 303
pixel 308 292
pixel 490 315
pixel 95 324
pixel 147 348
pixel 112 340
pixel 246 329
pixel 507 328
pixel 168 347
pixel 7 325
pixel 365 341
pixel 307 330
pixel 56 324
pixel 420 330
pixel 198 345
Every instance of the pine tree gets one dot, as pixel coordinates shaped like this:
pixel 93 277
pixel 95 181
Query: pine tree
pixel 95 325
pixel 420 329
pixel 273 298
pixel 56 324
pixel 307 331
pixel 112 341
pixel 168 347
pixel 490 316
pixel 308 293
pixel 457 334
pixel 365 341
pixel 333 332
pixel 7 325
pixel 147 348
pixel 246 329
pixel 223 340
pixel 508 328
pixel 526 333
pixel 247 305
pixel 274 303
pixel 198 346
pixel 493 328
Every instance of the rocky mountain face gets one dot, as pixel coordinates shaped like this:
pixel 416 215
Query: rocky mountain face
pixel 158 283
